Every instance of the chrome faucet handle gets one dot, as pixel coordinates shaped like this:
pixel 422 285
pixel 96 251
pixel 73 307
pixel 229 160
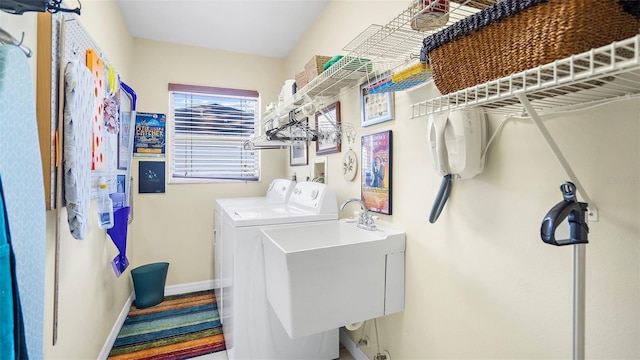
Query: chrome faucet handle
pixel 365 221
pixel 362 219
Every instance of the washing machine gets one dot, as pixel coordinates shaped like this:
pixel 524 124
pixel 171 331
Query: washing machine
pixel 278 192
pixel 251 328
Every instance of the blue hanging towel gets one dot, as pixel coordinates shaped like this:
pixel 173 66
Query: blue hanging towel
pixel 22 181
pixel 6 291
pixel 12 337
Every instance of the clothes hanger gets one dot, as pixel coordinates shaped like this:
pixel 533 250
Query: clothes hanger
pixel 300 131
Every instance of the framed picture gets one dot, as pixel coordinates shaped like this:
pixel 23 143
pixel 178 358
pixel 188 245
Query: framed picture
pixel 149 139
pixel 375 172
pixel 151 177
pixel 328 126
pixel 299 150
pixel 375 108
pixel 299 154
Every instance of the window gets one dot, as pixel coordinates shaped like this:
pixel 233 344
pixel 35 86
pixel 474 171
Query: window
pixel 209 128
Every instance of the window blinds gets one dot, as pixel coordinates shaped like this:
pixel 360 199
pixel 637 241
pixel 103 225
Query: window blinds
pixel 209 128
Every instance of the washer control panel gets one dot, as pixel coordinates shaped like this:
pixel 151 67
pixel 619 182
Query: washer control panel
pixel 308 194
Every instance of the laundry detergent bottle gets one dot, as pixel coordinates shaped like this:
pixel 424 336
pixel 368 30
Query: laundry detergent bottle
pixel 105 206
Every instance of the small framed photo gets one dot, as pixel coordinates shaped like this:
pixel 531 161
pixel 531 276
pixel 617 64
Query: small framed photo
pixel 328 127
pixel 151 177
pixel 374 108
pixel 299 154
pixel 299 150
pixel 376 172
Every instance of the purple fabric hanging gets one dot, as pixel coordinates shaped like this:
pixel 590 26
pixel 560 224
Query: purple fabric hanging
pixel 118 234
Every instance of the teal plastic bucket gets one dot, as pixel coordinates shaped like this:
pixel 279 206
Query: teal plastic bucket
pixel 148 284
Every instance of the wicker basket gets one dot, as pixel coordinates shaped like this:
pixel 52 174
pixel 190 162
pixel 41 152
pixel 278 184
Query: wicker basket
pixel 535 36
pixel 314 66
pixel 301 79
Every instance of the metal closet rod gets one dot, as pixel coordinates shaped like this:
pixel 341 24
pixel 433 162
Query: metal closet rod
pixel 7 39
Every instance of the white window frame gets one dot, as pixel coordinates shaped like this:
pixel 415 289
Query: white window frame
pixel 212 91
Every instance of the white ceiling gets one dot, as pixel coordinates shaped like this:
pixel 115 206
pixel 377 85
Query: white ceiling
pixel 269 28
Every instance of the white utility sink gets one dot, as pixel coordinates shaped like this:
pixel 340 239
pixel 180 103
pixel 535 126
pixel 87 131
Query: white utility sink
pixel 326 275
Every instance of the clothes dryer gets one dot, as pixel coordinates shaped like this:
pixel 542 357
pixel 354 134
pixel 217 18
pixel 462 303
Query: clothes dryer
pixel 251 328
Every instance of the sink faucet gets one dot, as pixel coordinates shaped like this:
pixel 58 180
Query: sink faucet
pixel 365 221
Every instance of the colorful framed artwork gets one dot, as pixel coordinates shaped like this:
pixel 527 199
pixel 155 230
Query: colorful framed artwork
pixel 375 108
pixel 328 127
pixel 149 139
pixel 376 171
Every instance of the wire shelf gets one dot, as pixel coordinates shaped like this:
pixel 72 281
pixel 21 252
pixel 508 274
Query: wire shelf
pixel 381 44
pixel 609 72
pixel 379 51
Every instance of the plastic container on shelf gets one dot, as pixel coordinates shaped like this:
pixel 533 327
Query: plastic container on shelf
pixel 414 72
pixel 429 14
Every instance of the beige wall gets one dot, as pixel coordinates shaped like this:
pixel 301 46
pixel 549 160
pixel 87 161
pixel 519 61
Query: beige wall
pixel 90 296
pixel 177 226
pixel 480 283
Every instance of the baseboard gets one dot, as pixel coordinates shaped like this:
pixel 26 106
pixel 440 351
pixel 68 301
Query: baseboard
pixel 168 290
pixel 351 347
pixel 191 287
pixel 108 344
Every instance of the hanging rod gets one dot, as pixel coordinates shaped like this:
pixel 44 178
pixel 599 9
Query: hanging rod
pixel 7 39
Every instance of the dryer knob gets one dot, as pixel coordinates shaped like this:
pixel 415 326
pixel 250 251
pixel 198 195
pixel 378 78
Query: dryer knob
pixel 314 194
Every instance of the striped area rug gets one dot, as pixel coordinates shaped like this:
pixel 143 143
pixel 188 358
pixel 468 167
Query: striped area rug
pixel 181 327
